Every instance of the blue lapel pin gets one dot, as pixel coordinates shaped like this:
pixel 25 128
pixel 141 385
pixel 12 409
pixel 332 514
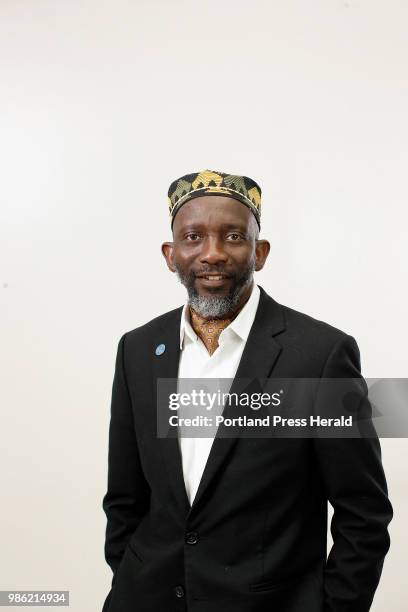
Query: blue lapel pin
pixel 160 349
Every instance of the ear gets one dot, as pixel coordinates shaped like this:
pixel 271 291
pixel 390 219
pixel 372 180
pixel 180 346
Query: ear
pixel 262 249
pixel 167 249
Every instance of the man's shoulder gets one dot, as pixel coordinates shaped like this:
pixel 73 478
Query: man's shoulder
pixel 296 322
pixel 314 338
pixel 161 322
pixel 307 334
pixel 311 325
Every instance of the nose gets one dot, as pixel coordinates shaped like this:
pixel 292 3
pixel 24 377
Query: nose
pixel 212 251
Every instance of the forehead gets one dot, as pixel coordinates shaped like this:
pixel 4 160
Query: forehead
pixel 212 211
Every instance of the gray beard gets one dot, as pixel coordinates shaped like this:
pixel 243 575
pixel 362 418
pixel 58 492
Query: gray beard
pixel 214 306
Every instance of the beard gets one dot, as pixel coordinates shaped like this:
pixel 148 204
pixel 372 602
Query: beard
pixel 216 306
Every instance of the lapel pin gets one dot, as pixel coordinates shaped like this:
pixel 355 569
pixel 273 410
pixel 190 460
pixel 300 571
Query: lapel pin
pixel 160 349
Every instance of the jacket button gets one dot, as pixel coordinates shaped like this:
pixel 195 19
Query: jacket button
pixel 192 537
pixel 179 591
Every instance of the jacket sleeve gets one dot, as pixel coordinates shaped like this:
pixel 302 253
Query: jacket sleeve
pixel 355 484
pixel 128 493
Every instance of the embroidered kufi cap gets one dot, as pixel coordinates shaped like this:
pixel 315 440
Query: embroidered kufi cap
pixel 212 182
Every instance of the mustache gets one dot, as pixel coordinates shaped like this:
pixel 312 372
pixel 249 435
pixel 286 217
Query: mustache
pixel 212 271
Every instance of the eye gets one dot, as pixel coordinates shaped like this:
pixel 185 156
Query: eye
pixel 234 237
pixel 192 237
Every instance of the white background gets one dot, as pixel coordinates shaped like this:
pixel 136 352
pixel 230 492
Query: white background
pixel 102 105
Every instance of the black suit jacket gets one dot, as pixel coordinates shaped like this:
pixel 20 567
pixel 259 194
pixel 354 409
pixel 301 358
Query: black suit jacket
pixel 255 536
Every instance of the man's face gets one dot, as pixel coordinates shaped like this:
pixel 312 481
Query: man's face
pixel 215 252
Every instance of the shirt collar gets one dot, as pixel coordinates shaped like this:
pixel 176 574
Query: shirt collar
pixel 241 325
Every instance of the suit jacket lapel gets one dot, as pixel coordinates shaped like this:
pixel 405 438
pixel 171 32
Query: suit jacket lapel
pixel 258 359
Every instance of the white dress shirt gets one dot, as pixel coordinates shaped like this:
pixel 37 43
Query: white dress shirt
pixel 196 362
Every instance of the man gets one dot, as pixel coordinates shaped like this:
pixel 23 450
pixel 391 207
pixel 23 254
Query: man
pixel 235 524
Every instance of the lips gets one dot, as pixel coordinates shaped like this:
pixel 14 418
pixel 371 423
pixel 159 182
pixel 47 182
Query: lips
pixel 214 277
pixel 213 281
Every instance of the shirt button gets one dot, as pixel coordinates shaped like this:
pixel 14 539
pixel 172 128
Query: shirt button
pixel 192 537
pixel 179 591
